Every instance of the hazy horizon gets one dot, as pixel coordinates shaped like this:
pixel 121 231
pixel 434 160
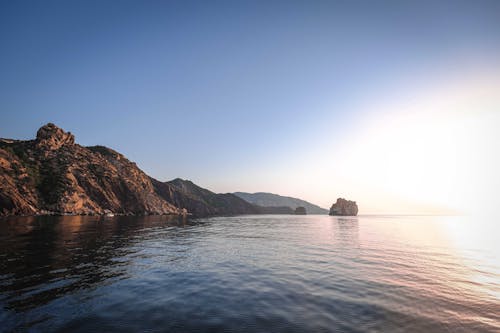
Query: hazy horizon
pixel 393 105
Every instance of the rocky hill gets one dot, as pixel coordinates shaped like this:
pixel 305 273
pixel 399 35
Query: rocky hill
pixel 54 174
pixel 274 200
pixel 202 202
pixel 344 207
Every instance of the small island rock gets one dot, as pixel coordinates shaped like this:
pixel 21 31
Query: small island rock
pixel 344 207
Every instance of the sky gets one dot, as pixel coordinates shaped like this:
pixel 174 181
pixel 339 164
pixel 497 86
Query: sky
pixel 394 104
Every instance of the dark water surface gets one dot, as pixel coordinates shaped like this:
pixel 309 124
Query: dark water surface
pixel 248 274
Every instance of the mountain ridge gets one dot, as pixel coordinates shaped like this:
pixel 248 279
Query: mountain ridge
pixel 267 199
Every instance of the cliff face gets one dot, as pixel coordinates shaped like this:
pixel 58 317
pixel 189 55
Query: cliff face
pixel 344 207
pixel 53 174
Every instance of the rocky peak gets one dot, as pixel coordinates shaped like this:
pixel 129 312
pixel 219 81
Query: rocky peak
pixel 344 207
pixel 53 137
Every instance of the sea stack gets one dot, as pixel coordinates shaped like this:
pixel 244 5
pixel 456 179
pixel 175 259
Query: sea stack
pixel 344 207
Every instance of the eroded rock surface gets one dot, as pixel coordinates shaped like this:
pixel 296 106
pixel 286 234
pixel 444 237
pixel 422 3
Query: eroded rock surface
pixel 344 207
pixel 53 174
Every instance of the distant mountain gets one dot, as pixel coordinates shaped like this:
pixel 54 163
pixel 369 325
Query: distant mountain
pixel 274 200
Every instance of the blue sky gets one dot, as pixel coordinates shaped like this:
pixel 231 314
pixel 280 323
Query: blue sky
pixel 235 94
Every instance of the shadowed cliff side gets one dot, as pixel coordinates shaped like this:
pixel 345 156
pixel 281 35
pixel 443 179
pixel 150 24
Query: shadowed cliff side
pixel 202 202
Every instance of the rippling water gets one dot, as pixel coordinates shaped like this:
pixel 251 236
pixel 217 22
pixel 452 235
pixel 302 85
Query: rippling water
pixel 248 274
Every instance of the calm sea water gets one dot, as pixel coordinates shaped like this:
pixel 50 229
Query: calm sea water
pixel 249 274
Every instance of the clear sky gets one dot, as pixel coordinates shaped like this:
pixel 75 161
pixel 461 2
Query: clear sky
pixel 394 104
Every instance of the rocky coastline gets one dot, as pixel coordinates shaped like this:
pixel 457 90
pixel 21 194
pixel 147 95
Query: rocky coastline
pixel 53 175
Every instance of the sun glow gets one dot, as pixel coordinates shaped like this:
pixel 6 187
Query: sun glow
pixel 435 151
pixel 440 150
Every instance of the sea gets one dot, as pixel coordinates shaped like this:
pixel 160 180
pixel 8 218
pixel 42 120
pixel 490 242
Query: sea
pixel 254 273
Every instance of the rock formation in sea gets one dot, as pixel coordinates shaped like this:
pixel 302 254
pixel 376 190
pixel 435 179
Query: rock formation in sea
pixel 300 211
pixel 344 207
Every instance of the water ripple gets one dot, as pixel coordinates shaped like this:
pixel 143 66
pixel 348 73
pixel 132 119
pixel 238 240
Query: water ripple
pixel 244 274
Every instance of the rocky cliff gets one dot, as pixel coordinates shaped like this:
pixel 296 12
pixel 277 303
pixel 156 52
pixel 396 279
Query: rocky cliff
pixel 344 207
pixel 53 174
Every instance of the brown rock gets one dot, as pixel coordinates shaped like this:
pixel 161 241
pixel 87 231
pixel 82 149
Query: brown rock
pixel 53 174
pixel 344 207
pixel 52 137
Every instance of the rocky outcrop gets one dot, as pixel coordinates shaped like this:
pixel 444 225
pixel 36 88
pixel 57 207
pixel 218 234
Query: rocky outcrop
pixel 52 174
pixel 344 207
pixel 52 137
pixel 300 211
